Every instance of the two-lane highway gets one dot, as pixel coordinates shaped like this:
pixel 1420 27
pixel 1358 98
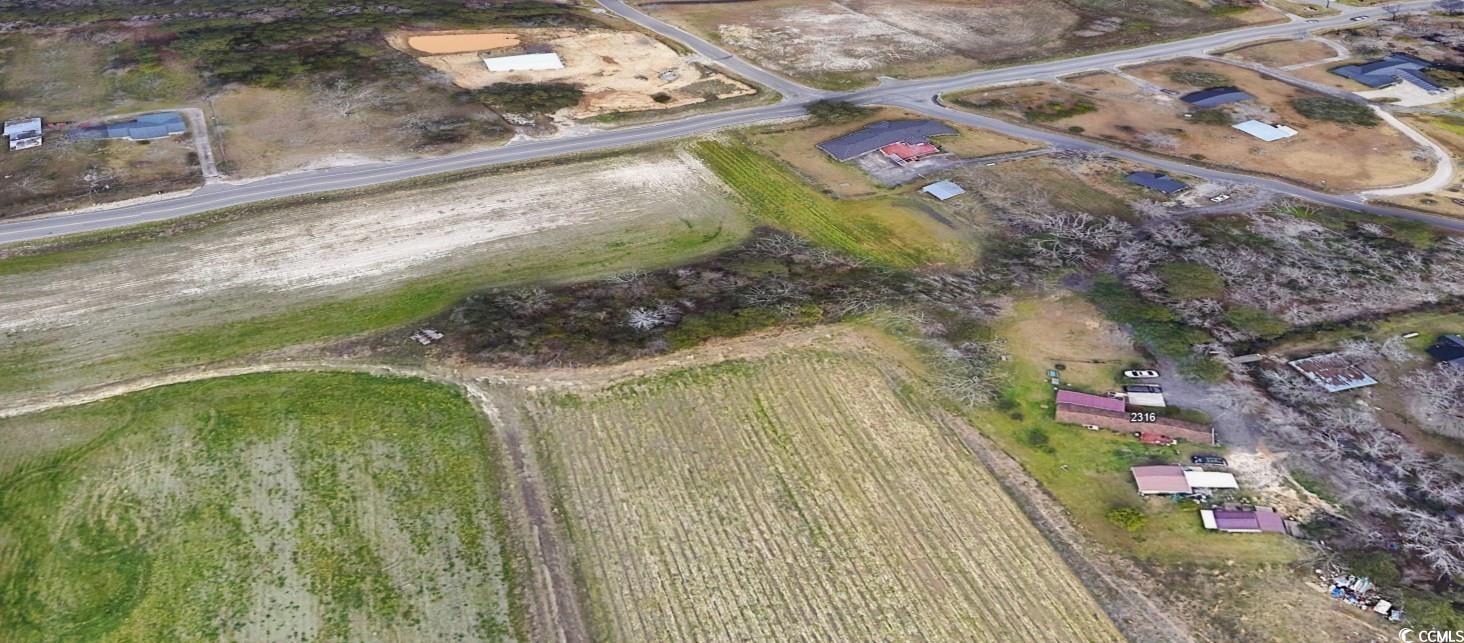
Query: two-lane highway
pixel 912 94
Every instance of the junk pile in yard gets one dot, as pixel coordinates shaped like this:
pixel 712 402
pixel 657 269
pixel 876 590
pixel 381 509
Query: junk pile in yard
pixel 1359 592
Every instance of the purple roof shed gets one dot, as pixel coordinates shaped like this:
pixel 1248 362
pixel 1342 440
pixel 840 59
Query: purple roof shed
pixel 1091 401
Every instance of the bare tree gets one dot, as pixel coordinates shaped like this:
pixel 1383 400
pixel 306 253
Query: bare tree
pixel 644 319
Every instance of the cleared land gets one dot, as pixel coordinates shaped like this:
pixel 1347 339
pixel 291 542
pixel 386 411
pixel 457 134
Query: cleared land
pixel 263 507
pixel 840 45
pixel 314 270
pixel 619 71
pixel 803 496
pixel 1283 53
pixel 1143 117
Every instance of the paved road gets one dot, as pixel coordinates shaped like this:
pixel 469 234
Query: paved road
pixel 914 94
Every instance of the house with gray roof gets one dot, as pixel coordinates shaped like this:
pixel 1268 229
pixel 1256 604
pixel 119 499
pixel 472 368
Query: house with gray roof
pixel 1155 181
pixel 877 135
pixel 1215 97
pixel 1389 70
pixel 141 128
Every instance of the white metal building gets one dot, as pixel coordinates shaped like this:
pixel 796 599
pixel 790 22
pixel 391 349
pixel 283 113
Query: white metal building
pixel 1265 131
pixel 525 62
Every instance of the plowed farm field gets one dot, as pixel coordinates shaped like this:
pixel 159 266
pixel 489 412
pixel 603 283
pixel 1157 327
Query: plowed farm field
pixel 803 496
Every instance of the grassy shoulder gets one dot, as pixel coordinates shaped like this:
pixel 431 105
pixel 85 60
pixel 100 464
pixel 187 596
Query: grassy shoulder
pixel 265 507
pixel 878 230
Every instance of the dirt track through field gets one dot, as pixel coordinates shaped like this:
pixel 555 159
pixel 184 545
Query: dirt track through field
pixel 557 607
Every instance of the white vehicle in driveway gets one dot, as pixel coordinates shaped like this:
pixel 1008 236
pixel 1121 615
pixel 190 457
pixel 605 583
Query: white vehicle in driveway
pixel 1220 198
pixel 1141 375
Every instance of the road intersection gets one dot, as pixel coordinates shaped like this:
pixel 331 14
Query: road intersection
pixel 916 95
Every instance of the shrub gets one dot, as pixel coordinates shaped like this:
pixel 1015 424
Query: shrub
pixel 837 111
pixel 1127 518
pixel 1192 281
pixel 529 98
pixel 1338 110
pixel 1036 438
pixel 1257 322
pixel 1377 565
pixel 1077 129
pixel 1201 79
pixel 1210 117
pixel 661 97
pixel 1056 110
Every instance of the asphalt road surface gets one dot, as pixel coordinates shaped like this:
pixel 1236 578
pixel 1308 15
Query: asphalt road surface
pixel 912 94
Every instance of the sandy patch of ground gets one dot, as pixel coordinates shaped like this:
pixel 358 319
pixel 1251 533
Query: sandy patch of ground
pixel 1379 156
pixel 1284 53
pixel 620 71
pixel 124 297
pixel 455 43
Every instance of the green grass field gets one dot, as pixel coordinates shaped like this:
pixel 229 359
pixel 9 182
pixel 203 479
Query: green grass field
pixel 873 229
pixel 265 507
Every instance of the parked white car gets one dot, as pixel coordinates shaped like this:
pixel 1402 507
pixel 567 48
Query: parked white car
pixel 1141 375
pixel 1220 198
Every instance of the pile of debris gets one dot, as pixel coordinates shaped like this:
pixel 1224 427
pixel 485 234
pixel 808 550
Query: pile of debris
pixel 1359 592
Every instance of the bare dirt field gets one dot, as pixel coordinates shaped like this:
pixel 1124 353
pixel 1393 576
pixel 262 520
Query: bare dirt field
pixel 801 496
pixel 265 131
pixel 845 44
pixel 1284 52
pixel 1142 117
pixel 456 43
pixel 85 315
pixel 620 71
pixel 794 144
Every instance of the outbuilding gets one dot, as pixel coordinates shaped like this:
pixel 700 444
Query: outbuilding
pixel 1160 479
pixel 1215 97
pixel 1333 372
pixel 1265 131
pixel 943 190
pixel 1246 521
pixel 1449 349
pixel 524 62
pixel 23 133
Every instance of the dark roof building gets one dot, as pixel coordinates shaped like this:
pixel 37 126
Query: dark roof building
pixel 1389 70
pixel 142 128
pixel 1155 181
pixel 877 135
pixel 1215 97
pixel 1449 350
